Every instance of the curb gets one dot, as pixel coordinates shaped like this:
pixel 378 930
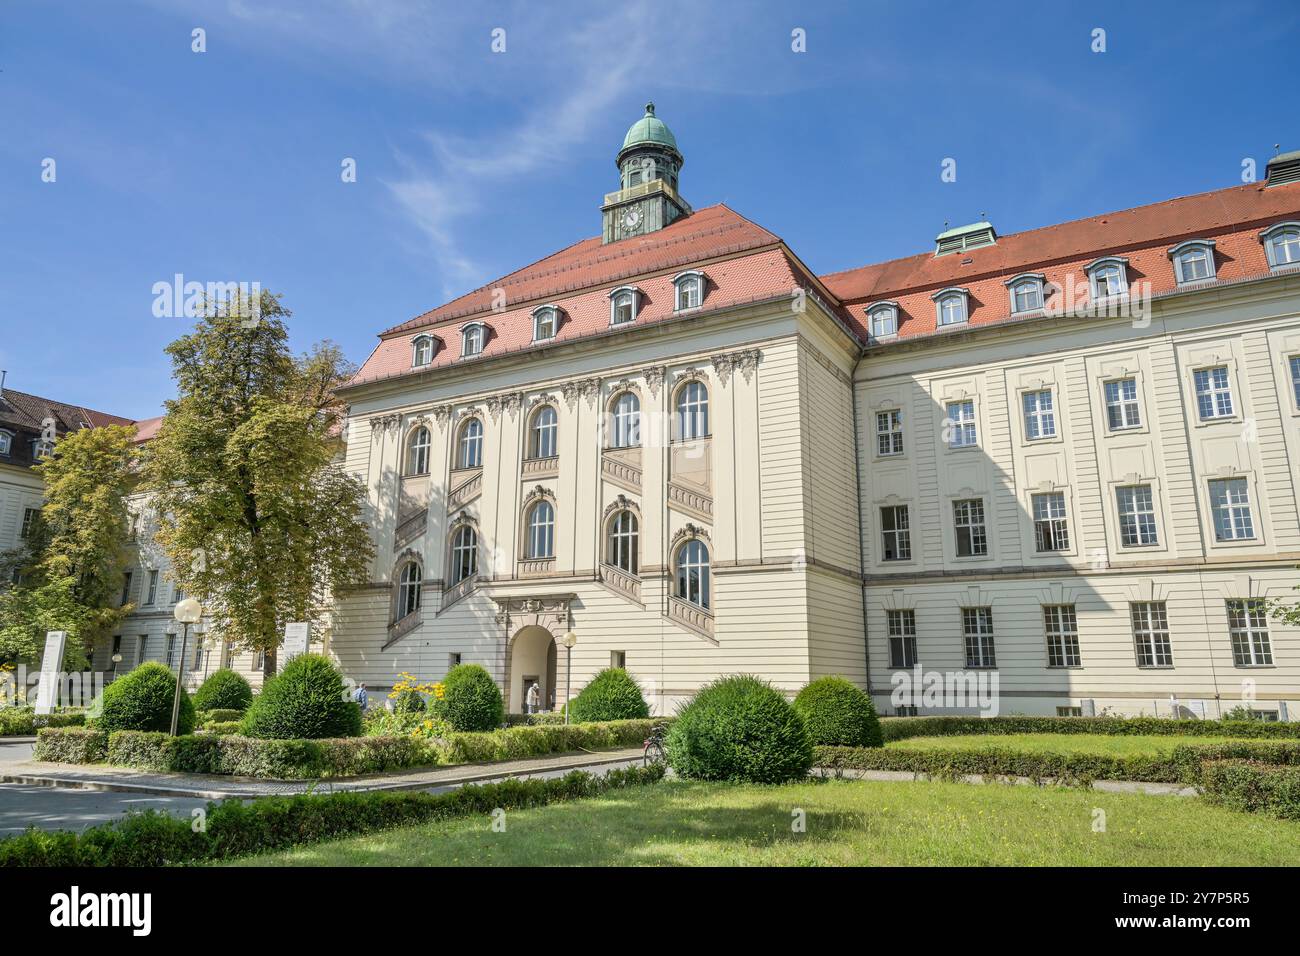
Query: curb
pixel 327 785
pixel 17 740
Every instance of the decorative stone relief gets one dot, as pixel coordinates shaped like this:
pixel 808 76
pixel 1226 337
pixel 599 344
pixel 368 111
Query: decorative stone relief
pixel 654 379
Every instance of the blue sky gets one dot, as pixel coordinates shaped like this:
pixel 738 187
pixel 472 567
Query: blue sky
pixel 225 165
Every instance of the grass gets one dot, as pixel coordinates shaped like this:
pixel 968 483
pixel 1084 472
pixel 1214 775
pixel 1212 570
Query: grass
pixel 1118 744
pixel 848 823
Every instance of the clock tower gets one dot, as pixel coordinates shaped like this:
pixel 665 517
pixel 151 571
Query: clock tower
pixel 648 167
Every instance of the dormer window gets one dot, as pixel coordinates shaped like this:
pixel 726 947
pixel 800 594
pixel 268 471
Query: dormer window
pixel 623 304
pixel 421 350
pixel 882 319
pixel 1282 244
pixel 950 306
pixel 473 337
pixel 1193 261
pixel 690 290
pixel 1108 278
pixel 546 321
pixel 6 442
pixel 1026 292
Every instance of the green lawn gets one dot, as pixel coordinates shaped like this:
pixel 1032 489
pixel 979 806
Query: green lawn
pixel 1116 744
pixel 848 823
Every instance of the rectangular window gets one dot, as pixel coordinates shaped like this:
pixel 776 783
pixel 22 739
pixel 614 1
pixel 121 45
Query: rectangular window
pixel 977 628
pixel 152 594
pixel 198 653
pixel 1295 378
pixel 1069 712
pixel 902 638
pixel 1230 508
pixel 618 659
pixel 889 432
pixel 1040 417
pixel 259 661
pixel 897 536
pixel 178 594
pixel 1248 626
pixel 1062 629
pixel 906 710
pixel 1137 516
pixel 453 660
pixel 1051 527
pixel 29 516
pixel 961 425
pixel 1122 409
pixel 126 587
pixel 968 516
pixel 1213 392
pixel 1151 634
pixel 171 650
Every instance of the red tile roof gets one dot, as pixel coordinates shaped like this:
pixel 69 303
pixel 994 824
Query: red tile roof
pixel 25 414
pixel 147 428
pixel 1232 217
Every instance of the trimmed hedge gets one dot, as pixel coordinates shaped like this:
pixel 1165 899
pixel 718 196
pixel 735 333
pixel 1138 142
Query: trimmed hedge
pixel 1183 764
pixel 305 701
pixel 235 828
pixel 71 745
pixel 741 729
pixel 838 713
pixel 610 695
pixel 310 759
pixel 142 700
pixel 901 728
pixel 218 715
pixel 471 699
pixel 224 690
pixel 1253 787
pixel 542 718
pixel 221 727
pixel 24 721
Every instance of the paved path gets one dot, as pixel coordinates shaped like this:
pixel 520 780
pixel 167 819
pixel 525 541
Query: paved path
pixel 57 797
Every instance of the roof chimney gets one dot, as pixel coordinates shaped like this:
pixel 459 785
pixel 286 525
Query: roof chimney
pixel 1283 168
pixel 3 376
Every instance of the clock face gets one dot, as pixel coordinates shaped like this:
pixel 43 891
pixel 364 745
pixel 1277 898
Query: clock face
pixel 632 218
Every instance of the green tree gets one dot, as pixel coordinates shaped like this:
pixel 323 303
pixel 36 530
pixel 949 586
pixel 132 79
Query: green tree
pixel 75 554
pixel 258 521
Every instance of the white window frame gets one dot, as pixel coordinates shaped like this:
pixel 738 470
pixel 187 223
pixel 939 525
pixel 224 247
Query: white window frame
pixel 968 515
pixel 1122 403
pixel 900 625
pixel 692 410
pixel 1105 266
pixel 540 534
pixel 961 297
pixel 1279 238
pixel 473 339
pixel 1050 525
pixel 895 532
pixel 464 553
pixel 417 451
pixel 979 638
pixel 6 442
pixel 1135 506
pixel 691 286
pixel 882 320
pixel 29 518
pixel 1206 384
pixel 1182 253
pixel 889 439
pixel 549 316
pixel 1034 281
pixel 963 425
pixel 1152 647
pixel 691 573
pixel 151 590
pixel 633 296
pixel 1293 363
pixel 1230 510
pixel 1248 632
pixel 623 542
pixel 422 344
pixel 1040 419
pixel 465 442
pixel 409 578
pixel 544 436
pixel 1061 629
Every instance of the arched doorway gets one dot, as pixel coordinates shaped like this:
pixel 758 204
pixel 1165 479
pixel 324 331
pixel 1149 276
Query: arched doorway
pixel 531 660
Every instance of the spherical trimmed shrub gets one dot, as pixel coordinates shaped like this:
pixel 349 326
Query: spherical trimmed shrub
pixel 305 701
pixel 471 699
pixel 142 700
pixel 611 695
pixel 739 728
pixel 838 714
pixel 224 690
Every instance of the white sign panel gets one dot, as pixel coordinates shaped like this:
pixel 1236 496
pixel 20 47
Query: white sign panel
pixel 297 637
pixel 51 664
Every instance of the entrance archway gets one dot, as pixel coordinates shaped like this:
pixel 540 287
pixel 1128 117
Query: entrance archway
pixel 531 659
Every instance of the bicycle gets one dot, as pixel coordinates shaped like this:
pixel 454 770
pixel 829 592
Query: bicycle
pixel 654 746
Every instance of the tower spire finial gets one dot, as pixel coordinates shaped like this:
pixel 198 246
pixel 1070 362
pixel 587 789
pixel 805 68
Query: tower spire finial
pixel 650 108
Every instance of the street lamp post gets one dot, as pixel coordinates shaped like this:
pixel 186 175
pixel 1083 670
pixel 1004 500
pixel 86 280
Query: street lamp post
pixel 187 612
pixel 569 640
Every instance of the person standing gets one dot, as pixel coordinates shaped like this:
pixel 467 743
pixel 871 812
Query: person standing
pixel 533 700
pixel 361 697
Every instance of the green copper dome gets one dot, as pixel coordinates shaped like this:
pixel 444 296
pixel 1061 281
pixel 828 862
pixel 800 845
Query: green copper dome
pixel 650 130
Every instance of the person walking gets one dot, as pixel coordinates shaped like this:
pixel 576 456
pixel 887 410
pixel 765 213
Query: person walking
pixel 361 697
pixel 533 700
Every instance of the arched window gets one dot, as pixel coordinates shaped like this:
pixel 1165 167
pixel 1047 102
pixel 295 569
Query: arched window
pixel 1282 244
pixel 623 542
pixel 882 319
pixel 469 451
pixel 1026 293
pixel 542 436
pixel 690 290
pixel 408 590
pixel 473 337
pixel 421 350
pixel 626 421
pixel 464 554
pixel 693 573
pixel 693 411
pixel 541 531
pixel 417 452
pixel 545 322
pixel 950 307
pixel 1193 261
pixel 1109 278
pixel 623 305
